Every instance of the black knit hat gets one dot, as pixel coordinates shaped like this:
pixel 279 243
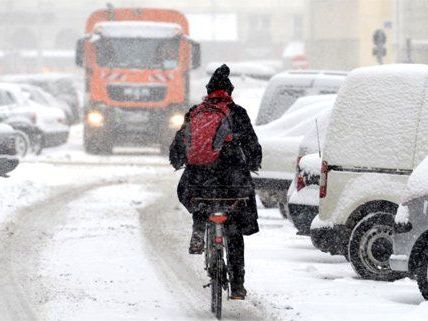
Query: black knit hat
pixel 220 80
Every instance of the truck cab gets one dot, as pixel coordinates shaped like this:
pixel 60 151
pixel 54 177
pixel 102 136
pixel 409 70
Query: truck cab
pixel 137 65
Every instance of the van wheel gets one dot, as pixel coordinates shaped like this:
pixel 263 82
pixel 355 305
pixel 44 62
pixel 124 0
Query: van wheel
pixel 370 247
pixel 422 275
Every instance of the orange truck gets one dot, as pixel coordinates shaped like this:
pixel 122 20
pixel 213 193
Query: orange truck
pixel 137 64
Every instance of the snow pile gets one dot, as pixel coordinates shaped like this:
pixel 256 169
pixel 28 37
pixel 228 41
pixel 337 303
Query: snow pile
pixel 417 184
pixel 137 29
pixel 311 164
pixel 6 129
pixel 402 215
pixel 376 117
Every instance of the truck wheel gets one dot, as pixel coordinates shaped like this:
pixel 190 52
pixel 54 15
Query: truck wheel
pixel 97 144
pixel 22 143
pixel 422 275
pixel 370 247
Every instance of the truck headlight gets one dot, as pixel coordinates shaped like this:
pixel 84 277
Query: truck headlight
pixel 95 119
pixel 176 121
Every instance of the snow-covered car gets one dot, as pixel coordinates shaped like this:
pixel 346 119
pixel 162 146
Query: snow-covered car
pixel 378 133
pixel 44 98
pixel 303 194
pixel 48 125
pixel 285 88
pixel 280 141
pixel 62 86
pixel 410 238
pixel 303 198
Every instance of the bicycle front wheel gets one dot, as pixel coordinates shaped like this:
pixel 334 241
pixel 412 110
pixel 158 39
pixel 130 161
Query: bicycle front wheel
pixel 216 287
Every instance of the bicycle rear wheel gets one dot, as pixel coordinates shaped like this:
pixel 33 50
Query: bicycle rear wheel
pixel 216 287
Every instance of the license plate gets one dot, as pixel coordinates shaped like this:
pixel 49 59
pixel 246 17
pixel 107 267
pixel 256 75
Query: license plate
pixel 136 93
pixel 137 117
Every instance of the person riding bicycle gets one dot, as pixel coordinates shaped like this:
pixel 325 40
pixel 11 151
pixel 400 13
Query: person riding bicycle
pixel 219 148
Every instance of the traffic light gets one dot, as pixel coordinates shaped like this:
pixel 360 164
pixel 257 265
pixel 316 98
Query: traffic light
pixel 379 40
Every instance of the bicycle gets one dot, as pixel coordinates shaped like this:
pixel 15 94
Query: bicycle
pixel 216 249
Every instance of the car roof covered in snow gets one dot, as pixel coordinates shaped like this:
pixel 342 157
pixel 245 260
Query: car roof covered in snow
pixel 284 88
pixel 375 117
pixel 137 29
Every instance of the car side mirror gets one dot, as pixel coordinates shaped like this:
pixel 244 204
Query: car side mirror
pixel 80 52
pixel 196 54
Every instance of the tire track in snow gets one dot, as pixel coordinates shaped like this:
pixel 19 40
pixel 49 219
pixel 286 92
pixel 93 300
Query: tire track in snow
pixel 20 236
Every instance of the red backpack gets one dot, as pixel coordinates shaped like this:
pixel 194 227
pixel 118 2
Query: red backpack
pixel 209 127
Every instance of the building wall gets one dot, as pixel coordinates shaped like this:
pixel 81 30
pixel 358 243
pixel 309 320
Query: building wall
pixel 339 32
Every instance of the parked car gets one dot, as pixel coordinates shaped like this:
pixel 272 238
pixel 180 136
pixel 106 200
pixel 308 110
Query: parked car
pixel 62 86
pixel 40 125
pixel 410 238
pixel 303 194
pixel 285 88
pixel 44 98
pixel 377 133
pixel 8 155
pixel 280 141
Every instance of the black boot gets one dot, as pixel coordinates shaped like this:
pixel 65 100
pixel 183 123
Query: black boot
pixel 238 291
pixel 197 242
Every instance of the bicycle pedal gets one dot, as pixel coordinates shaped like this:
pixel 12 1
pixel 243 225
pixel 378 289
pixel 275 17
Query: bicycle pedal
pixel 206 285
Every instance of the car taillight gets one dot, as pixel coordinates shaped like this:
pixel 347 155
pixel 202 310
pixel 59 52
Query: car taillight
pixel 323 179
pixel 300 183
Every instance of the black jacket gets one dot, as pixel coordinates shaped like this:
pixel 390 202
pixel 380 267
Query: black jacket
pixel 232 169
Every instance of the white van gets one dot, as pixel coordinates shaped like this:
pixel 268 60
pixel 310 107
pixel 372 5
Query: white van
pixel 285 88
pixel 378 133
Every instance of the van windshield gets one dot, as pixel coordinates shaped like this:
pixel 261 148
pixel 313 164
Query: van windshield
pixel 276 103
pixel 137 53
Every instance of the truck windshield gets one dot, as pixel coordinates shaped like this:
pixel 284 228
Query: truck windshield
pixel 137 53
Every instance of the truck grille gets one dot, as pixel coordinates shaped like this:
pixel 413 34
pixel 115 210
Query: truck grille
pixel 136 93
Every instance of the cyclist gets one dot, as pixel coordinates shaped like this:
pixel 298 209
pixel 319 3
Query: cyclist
pixel 218 147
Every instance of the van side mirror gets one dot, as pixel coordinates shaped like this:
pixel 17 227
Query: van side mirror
pixel 80 52
pixel 196 54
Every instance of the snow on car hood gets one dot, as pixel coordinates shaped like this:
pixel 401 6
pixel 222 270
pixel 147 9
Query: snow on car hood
pixel 6 129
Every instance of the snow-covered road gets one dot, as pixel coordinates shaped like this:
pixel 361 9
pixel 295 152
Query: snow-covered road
pixel 92 238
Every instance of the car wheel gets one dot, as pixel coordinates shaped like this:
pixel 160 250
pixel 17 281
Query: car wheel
pixel 22 143
pixel 422 275
pixel 283 208
pixel 267 200
pixel 370 247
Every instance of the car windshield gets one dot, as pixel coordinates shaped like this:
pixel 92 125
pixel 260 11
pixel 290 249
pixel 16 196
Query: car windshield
pixel 275 105
pixel 137 53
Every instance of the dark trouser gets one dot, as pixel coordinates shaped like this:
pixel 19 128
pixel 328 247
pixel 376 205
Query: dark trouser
pixel 235 242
